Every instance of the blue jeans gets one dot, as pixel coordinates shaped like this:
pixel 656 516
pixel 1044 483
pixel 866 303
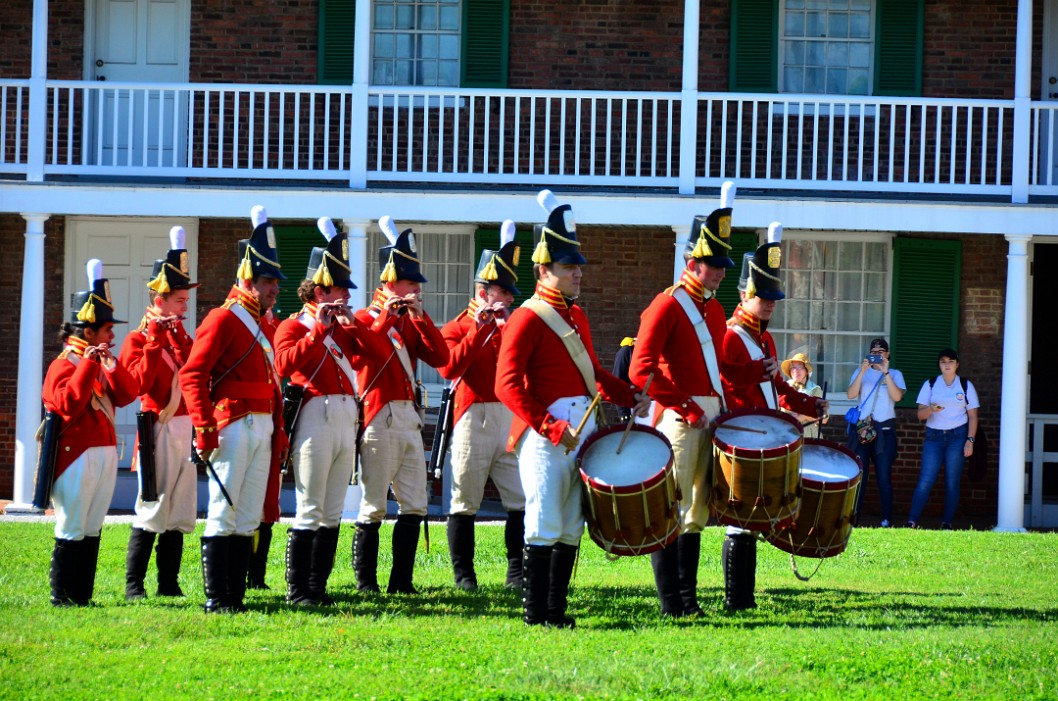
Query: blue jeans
pixel 940 448
pixel 882 450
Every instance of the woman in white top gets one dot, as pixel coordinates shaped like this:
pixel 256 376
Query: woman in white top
pixel 878 388
pixel 799 370
pixel 948 404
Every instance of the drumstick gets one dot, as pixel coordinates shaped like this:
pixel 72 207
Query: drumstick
pixel 632 419
pixel 584 419
pixel 746 429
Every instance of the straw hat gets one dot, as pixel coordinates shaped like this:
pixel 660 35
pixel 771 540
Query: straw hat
pixel 796 358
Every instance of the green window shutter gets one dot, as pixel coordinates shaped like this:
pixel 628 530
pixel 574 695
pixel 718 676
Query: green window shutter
pixel 898 48
pixel 925 315
pixel 754 45
pixel 335 54
pixel 490 239
pixel 727 294
pixel 485 34
pixel 294 244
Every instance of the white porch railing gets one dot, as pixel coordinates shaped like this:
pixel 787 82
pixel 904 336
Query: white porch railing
pixel 474 136
pixel 1040 512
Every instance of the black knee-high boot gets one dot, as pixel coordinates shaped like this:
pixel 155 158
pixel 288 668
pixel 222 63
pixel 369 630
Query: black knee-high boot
pixel 240 550
pixel 740 571
pixel 563 559
pixel 261 542
pixel 461 550
pixel 536 581
pixel 690 546
pixel 324 547
pixel 299 562
pixel 215 573
pixel 365 556
pixel 405 543
pixel 61 575
pixel 168 554
pixel 666 566
pixel 89 561
pixel 136 560
pixel 514 539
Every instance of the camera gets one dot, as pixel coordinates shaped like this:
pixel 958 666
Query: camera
pixel 874 359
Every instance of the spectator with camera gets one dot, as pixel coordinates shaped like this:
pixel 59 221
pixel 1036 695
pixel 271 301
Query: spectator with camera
pixel 872 436
pixel 948 404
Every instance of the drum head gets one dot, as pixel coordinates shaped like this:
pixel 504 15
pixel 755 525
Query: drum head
pixel 827 462
pixel 756 430
pixel 645 453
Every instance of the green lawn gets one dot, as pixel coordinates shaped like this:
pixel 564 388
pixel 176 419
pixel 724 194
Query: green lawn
pixel 901 614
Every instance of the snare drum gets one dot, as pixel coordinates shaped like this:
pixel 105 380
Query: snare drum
pixel 830 481
pixel 631 500
pixel 756 461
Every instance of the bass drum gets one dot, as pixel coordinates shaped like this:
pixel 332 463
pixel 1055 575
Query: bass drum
pixel 631 500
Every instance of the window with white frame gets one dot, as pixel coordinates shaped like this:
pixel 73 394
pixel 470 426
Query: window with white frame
pixel 415 42
pixel 826 46
pixel 445 252
pixel 837 299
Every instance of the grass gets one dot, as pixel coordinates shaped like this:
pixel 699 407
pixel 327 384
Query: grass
pixel 900 614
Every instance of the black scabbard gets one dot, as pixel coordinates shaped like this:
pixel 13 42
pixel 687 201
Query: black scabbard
pixel 293 398
pixel 48 449
pixel 145 421
pixel 442 434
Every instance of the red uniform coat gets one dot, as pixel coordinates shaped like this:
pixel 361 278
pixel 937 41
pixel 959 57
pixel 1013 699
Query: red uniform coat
pixel 667 346
pixel 386 381
pixel 742 376
pixel 220 388
pixel 474 353
pixel 300 353
pixel 535 369
pixel 68 391
pixel 142 353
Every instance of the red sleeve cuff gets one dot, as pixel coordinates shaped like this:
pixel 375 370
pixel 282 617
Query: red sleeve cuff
pixel 553 429
pixel 207 438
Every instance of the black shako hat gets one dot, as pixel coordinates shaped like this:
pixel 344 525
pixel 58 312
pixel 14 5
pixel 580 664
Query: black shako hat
pixel 258 255
pixel 172 273
pixel 399 260
pixel 498 267
pixel 710 239
pixel 329 266
pixel 94 307
pixel 556 241
pixel 760 269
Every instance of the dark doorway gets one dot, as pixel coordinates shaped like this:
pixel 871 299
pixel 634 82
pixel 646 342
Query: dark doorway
pixel 1044 371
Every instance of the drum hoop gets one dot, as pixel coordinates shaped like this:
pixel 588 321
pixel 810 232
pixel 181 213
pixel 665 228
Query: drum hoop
pixel 836 485
pixel 771 452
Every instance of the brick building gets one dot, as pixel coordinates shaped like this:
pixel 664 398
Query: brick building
pixel 905 145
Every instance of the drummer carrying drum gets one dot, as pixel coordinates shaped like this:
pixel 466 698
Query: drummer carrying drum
pixel 547 374
pixel 751 380
pixel 680 335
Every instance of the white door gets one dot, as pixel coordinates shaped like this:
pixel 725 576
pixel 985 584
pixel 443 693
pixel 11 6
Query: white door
pixel 141 41
pixel 1048 170
pixel 128 249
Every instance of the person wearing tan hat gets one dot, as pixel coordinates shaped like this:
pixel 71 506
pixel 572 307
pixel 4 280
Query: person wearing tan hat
pixel 798 368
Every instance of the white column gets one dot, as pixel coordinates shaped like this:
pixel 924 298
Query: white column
pixel 38 93
pixel 30 364
pixel 689 97
pixel 358 125
pixel 1013 406
pixel 1022 104
pixel 357 230
pixel 683 233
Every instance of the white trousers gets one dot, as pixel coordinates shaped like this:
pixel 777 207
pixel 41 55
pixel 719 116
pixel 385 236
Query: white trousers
pixel 177 503
pixel 554 511
pixel 392 454
pixel 324 455
pixel 479 451
pixel 241 462
pixel 82 493
pixel 692 452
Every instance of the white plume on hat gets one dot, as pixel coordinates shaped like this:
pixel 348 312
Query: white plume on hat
pixel 389 229
pixel 506 232
pixel 774 232
pixel 258 215
pixel 547 200
pixel 95 272
pixel 727 194
pixel 326 227
pixel 177 238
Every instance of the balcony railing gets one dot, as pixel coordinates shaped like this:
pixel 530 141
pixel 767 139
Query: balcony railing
pixel 505 137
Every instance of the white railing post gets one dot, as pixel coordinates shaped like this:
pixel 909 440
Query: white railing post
pixel 357 231
pixel 38 94
pixel 1019 176
pixel 689 98
pixel 30 364
pixel 361 76
pixel 1011 500
pixel 683 233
